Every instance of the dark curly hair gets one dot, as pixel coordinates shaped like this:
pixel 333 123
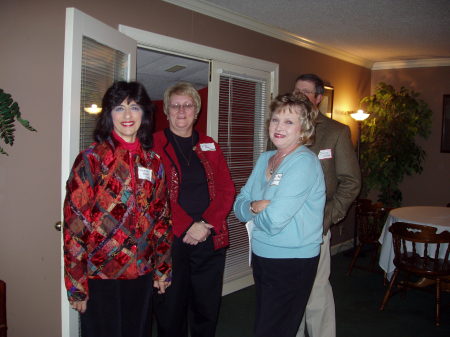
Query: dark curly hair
pixel 114 96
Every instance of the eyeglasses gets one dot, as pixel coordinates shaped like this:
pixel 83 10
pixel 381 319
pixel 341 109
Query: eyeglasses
pixel 185 107
pixel 305 92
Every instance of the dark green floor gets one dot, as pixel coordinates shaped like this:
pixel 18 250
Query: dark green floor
pixel 357 300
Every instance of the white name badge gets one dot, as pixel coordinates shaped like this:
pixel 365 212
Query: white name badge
pixel 208 147
pixel 276 179
pixel 325 154
pixel 144 173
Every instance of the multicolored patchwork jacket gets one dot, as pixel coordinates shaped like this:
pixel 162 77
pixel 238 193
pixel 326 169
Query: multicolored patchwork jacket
pixel 220 186
pixel 116 216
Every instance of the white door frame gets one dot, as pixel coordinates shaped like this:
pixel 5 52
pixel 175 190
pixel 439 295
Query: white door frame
pixel 198 51
pixel 79 25
pixel 219 67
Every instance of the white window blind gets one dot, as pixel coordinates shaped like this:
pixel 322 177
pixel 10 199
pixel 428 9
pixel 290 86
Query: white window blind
pixel 101 66
pixel 241 134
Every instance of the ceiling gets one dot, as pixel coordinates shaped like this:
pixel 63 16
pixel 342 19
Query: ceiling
pixel 153 66
pixel 378 30
pixel 364 31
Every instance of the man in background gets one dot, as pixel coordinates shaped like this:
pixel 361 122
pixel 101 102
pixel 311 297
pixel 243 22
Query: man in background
pixel 335 150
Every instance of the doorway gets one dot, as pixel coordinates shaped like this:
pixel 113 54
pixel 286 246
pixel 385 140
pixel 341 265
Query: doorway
pixel 158 70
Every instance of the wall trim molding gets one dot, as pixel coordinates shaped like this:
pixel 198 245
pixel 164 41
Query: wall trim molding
pixel 219 13
pixel 422 63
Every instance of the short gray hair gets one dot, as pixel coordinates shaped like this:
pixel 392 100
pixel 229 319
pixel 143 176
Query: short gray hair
pixel 182 88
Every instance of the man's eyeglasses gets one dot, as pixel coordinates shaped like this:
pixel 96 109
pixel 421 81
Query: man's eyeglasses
pixel 185 107
pixel 305 92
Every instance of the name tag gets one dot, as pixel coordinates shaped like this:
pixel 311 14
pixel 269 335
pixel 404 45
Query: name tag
pixel 207 147
pixel 144 173
pixel 325 154
pixel 276 179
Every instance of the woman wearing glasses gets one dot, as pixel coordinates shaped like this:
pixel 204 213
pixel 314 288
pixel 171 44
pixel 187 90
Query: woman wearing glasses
pixel 201 194
pixel 117 232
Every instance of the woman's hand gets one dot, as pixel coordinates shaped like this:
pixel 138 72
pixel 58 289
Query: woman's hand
pixel 259 205
pixel 162 284
pixel 79 306
pixel 198 232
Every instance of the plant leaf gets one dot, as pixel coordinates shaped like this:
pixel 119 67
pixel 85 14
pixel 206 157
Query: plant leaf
pixel 3 151
pixel 9 113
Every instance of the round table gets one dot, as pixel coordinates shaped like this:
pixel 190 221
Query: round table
pixel 438 217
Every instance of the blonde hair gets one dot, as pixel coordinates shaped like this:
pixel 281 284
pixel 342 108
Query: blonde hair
pixel 301 105
pixel 182 88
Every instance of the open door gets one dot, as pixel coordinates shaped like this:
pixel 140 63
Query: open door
pixel 95 55
pixel 239 128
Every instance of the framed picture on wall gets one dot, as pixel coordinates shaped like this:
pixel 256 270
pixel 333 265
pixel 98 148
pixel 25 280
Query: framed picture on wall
pixel 326 106
pixel 445 136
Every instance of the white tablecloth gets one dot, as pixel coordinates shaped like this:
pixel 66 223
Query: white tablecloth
pixel 438 217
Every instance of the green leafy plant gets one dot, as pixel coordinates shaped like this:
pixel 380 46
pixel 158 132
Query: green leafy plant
pixel 9 113
pixel 388 140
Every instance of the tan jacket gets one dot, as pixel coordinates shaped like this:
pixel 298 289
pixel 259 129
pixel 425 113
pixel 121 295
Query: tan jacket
pixel 334 147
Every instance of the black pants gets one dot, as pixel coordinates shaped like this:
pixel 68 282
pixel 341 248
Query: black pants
pixel 282 291
pixel 194 297
pixel 119 308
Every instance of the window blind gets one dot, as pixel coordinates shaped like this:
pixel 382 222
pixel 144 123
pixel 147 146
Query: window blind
pixel 241 136
pixel 101 66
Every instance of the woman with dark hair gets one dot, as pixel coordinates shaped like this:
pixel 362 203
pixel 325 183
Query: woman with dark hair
pixel 117 232
pixel 201 196
pixel 283 202
pixel 114 97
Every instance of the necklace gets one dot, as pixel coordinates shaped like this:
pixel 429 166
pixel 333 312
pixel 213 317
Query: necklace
pixel 187 159
pixel 276 160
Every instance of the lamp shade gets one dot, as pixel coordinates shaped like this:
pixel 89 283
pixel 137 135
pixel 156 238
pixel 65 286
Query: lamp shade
pixel 360 115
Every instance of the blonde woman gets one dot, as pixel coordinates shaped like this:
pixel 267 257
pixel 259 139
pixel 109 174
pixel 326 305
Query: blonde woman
pixel 284 197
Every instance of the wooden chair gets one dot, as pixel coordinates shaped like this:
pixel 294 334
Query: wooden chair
pixel 369 224
pixel 419 250
pixel 3 326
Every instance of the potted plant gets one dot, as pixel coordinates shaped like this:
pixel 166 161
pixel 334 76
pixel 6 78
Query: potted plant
pixel 9 113
pixel 388 141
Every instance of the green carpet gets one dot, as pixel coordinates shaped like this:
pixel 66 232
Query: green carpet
pixel 357 298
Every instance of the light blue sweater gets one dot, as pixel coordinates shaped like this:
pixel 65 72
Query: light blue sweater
pixel 291 225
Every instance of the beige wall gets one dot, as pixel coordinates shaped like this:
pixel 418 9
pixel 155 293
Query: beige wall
pixel 432 187
pixel 31 69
